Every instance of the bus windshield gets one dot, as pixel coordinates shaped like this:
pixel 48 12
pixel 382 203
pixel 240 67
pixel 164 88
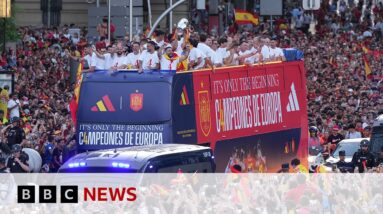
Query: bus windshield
pixel 127 103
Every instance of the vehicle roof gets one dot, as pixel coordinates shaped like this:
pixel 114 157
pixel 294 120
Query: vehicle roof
pixel 127 76
pixel 355 140
pixel 135 156
pixel 378 121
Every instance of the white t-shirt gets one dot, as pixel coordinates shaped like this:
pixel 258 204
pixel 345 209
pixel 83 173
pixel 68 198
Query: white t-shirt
pixel 235 60
pixel 168 65
pixel 160 43
pixel 109 60
pixel 241 53
pixel 275 52
pixel 179 51
pixel 221 54
pixel 99 63
pixel 265 51
pixel 14 112
pixel 68 36
pixel 88 59
pixel 149 59
pixel 354 135
pixel 206 50
pixel 120 60
pixel 133 59
pixel 194 55
pixel 75 40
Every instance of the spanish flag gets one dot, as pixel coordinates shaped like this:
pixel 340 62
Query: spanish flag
pixel 245 17
pixel 367 68
pixel 74 102
pixel 365 49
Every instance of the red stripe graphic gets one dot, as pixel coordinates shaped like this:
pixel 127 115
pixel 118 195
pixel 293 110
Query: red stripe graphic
pixel 108 103
pixel 94 108
pixel 186 95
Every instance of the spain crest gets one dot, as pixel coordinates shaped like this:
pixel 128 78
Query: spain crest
pixel 204 112
pixel 136 101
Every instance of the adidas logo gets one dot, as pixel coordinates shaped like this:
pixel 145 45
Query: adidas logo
pixel 103 105
pixel 293 104
pixel 184 100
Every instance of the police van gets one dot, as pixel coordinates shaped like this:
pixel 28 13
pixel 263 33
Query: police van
pixel 167 158
pixel 377 136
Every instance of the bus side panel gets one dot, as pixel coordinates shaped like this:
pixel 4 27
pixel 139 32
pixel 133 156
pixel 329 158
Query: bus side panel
pixel 295 73
pixel 183 109
pixel 204 107
pixel 258 153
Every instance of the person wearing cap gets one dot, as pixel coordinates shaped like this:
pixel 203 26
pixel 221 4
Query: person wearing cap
pixel 363 159
pixel 284 168
pixel 314 140
pixel 15 134
pixel 3 167
pixel 171 59
pixel 335 137
pixel 18 162
pixel 149 58
pixel 342 165
pixel 275 53
pixel 352 133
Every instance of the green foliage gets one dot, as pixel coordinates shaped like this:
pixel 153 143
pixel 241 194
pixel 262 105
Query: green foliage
pixel 11 33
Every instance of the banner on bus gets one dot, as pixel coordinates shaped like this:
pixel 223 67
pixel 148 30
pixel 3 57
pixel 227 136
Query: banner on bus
pixel 103 136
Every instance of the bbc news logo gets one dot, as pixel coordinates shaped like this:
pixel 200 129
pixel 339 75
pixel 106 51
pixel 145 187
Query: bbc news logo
pixel 70 194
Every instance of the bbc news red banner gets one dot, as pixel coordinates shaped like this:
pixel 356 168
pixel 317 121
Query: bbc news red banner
pixel 250 100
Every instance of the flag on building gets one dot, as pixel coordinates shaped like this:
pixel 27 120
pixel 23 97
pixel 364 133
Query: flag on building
pixel 245 17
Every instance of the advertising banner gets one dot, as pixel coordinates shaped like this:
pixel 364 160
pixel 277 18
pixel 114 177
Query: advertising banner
pixel 245 101
pixel 104 136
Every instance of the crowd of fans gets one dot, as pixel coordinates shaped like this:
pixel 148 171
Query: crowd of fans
pixel 343 61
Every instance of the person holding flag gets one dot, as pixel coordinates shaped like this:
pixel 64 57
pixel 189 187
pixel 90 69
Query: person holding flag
pixel 170 59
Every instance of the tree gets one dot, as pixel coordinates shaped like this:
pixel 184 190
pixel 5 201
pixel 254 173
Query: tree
pixel 11 33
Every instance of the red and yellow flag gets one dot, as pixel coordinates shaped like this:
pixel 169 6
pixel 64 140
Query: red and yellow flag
pixel 74 102
pixel 245 17
pixel 367 68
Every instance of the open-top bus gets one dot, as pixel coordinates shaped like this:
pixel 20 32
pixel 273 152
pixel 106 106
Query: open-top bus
pixel 255 116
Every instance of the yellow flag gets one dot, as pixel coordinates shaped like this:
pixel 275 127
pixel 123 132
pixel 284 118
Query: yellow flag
pixel 367 68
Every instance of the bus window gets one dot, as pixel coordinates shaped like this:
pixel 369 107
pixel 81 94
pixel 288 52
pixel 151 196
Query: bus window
pixel 187 163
